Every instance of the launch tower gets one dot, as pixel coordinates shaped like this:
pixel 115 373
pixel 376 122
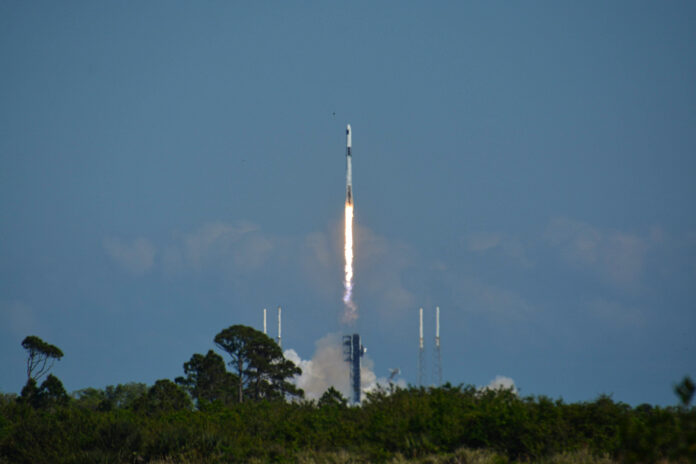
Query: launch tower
pixel 352 352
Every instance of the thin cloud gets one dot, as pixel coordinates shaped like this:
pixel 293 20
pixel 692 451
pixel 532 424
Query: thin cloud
pixel 616 313
pixel 381 265
pixel 235 248
pixel 624 258
pixel 489 242
pixel 320 258
pixel 317 244
pixel 480 242
pixel 617 257
pixel 136 257
pixel 213 241
pixel 474 295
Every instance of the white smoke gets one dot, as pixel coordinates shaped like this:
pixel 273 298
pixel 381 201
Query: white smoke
pixel 501 383
pixel 327 368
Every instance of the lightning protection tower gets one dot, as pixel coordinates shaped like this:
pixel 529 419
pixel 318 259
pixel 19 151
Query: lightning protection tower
pixel 352 352
pixel 421 350
pixel 438 354
pixel 280 339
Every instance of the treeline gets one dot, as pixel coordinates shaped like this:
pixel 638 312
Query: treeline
pixel 411 422
pixel 254 414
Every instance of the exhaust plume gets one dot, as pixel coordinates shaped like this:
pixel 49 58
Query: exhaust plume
pixel 351 311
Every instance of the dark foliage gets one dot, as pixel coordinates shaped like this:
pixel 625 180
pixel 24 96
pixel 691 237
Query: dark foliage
pixel 685 391
pixel 40 356
pixel 249 416
pixel 413 422
pixel 164 396
pixel 332 398
pixel 207 380
pixel 258 362
pixel 49 395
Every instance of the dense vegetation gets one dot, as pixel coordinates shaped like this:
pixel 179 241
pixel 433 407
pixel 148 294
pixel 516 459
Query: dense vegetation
pixel 202 418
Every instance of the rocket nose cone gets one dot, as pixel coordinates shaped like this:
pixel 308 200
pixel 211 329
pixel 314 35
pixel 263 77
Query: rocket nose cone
pixel 348 129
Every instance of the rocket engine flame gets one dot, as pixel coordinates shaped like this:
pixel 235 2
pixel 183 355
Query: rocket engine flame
pixel 351 313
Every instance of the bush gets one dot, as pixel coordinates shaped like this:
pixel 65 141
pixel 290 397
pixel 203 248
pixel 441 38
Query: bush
pixel 448 424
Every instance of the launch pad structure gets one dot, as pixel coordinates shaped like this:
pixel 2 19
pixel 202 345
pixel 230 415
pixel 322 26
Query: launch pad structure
pixel 352 352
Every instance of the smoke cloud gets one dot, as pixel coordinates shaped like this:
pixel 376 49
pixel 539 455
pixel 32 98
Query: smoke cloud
pixel 327 368
pixel 501 383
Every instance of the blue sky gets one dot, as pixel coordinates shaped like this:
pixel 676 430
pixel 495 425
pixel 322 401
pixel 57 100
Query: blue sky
pixel 168 169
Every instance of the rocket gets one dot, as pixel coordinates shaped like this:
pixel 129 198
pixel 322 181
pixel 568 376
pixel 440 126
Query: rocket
pixel 349 170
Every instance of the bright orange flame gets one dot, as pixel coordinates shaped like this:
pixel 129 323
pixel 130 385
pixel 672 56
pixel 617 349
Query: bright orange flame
pixel 351 311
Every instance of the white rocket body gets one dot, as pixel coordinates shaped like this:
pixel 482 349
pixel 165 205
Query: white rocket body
pixel 349 168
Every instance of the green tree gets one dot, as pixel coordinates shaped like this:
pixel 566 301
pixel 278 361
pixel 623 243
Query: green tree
pixel 122 396
pixel 685 391
pixel 164 396
pixel 207 380
pixel 42 355
pixel 259 364
pixel 269 371
pixel 7 398
pixel 89 398
pixel 51 393
pixel 30 393
pixel 332 398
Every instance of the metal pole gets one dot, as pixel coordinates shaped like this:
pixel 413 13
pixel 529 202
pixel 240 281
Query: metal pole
pixel 438 353
pixel 280 339
pixel 421 361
